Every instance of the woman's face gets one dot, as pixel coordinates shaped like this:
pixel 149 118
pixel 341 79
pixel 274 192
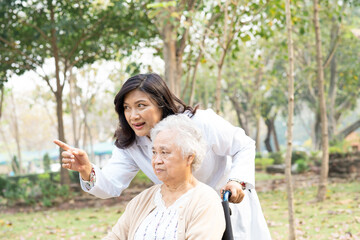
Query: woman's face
pixel 168 162
pixel 141 112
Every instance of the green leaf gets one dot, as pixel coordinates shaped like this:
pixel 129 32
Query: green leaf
pixel 245 38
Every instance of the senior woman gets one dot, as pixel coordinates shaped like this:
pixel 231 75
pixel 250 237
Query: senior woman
pixel 181 207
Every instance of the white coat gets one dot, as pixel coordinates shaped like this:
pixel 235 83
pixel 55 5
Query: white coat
pixel 230 154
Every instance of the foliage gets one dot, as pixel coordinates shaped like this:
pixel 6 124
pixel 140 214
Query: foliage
pixel 296 155
pixel 46 162
pixel 277 156
pixel 301 165
pixel 15 165
pixel 33 189
pixel 339 147
pixel 262 163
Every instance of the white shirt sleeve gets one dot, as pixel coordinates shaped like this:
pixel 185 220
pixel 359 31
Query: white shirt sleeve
pixel 228 140
pixel 114 177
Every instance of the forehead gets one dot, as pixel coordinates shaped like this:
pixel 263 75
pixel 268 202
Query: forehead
pixel 165 138
pixel 136 95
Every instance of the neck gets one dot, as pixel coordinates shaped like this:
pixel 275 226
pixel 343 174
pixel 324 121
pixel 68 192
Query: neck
pixel 181 187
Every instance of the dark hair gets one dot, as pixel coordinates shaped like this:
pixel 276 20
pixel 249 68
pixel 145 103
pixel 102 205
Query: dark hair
pixel 153 85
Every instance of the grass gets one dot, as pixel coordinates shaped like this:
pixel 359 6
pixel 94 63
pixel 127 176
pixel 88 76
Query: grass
pixel 336 218
pixel 261 176
pixel 88 223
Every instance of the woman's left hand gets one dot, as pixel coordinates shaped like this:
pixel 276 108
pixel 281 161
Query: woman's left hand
pixel 237 194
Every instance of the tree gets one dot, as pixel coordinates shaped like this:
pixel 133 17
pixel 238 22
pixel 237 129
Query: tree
pixel 71 34
pixel 289 187
pixel 226 34
pixel 16 133
pixel 173 20
pixel 46 162
pixel 324 127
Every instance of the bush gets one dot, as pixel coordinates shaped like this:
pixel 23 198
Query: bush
pixel 296 155
pixel 258 155
pixel 2 186
pixel 338 147
pixel 277 156
pixel 262 163
pixel 46 162
pixel 32 189
pixel 302 166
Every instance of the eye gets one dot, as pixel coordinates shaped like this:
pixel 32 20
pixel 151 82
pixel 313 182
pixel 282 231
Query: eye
pixel 126 108
pixel 164 152
pixel 141 105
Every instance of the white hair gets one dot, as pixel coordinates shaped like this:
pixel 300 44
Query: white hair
pixel 188 137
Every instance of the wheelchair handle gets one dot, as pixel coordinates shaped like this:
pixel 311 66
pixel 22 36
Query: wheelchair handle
pixel 226 195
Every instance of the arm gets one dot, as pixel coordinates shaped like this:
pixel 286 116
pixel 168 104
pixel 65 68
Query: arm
pixel 110 181
pixel 228 140
pixel 114 177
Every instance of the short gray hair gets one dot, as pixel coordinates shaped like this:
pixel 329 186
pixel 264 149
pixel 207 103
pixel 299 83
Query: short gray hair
pixel 188 137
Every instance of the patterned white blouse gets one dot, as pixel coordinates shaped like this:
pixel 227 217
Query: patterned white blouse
pixel 162 222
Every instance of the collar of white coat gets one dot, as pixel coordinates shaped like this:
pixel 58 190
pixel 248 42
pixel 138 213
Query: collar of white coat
pixel 143 141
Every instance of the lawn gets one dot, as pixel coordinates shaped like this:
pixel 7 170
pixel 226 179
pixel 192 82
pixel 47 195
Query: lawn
pixel 336 218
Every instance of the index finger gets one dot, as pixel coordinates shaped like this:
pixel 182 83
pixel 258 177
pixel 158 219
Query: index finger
pixel 62 145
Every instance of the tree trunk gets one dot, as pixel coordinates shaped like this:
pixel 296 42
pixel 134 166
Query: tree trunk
pixel 193 80
pixel 317 131
pixel 73 109
pixel 349 129
pixel 268 135
pixel 64 173
pixel 2 90
pixel 239 111
pixel 290 123
pixel 324 125
pixel 5 142
pixel 258 143
pixel 169 52
pixel 16 133
pixel 333 81
pixel 276 141
pixel 218 90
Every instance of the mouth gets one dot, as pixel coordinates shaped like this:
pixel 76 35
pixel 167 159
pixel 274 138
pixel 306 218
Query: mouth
pixel 158 170
pixel 138 126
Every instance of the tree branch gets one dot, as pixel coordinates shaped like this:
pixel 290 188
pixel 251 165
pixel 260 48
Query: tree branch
pixel 332 52
pixel 18 51
pixel 255 14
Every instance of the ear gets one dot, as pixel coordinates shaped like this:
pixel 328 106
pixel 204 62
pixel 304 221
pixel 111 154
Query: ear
pixel 190 159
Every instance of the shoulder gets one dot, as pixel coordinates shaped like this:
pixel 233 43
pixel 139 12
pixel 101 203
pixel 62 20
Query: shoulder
pixel 209 118
pixel 201 114
pixel 204 190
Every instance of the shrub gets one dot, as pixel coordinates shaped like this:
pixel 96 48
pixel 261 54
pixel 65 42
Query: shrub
pixel 258 155
pixel 32 189
pixel 46 162
pixel 302 166
pixel 277 156
pixel 296 155
pixel 262 163
pixel 3 183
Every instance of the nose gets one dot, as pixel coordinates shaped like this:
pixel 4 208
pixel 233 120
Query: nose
pixel 157 159
pixel 134 114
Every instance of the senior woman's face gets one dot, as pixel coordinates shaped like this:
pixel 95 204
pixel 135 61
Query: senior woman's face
pixel 168 162
pixel 141 112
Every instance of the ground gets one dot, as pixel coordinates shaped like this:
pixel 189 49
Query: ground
pixel 86 217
